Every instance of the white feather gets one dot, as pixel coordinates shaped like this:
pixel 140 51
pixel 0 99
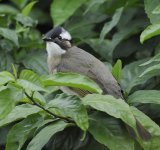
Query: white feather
pixel 54 49
pixel 65 34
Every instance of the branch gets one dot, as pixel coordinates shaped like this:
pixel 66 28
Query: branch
pixel 46 110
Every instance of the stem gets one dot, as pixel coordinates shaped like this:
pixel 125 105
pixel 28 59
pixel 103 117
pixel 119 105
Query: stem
pixel 46 110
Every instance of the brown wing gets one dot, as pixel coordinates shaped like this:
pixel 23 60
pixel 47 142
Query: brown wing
pixel 77 60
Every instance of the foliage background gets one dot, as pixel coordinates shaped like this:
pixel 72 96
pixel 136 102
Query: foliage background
pixel 108 29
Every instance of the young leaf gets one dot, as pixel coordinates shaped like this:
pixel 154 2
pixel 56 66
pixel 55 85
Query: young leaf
pixel 70 106
pixel 19 112
pixel 117 108
pixel 26 10
pixel 110 25
pixel 45 134
pixel 72 80
pixel 10 35
pixel 6 102
pixel 150 32
pixel 19 133
pixel 116 70
pixel 14 71
pixel 144 97
pixel 109 131
pixel 61 10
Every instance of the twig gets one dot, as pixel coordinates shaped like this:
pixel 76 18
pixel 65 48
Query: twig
pixel 46 110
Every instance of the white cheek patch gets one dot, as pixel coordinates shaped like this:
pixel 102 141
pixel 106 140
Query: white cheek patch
pixel 54 49
pixel 65 35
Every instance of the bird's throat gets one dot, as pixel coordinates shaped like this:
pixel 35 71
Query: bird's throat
pixel 54 49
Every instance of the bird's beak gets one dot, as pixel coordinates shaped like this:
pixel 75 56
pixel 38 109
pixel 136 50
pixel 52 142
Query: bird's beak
pixel 46 38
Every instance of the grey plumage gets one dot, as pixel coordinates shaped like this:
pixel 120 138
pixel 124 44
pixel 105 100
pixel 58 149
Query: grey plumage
pixel 80 61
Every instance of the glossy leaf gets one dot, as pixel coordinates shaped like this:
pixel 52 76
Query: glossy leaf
pixel 116 70
pixel 70 106
pixel 26 10
pixel 19 133
pixel 117 108
pixel 39 141
pixel 62 10
pixel 72 80
pixel 144 97
pixel 10 35
pixel 19 112
pixel 110 25
pixel 149 32
pixel 109 131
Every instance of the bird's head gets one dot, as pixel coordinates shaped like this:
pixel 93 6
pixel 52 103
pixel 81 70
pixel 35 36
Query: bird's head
pixel 58 40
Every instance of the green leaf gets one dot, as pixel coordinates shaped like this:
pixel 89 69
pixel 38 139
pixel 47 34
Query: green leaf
pixel 6 61
pixel 156 10
pixel 19 112
pixel 151 71
pixel 27 9
pixel 61 10
pixel 117 108
pixel 20 132
pixel 6 102
pixel 149 7
pixel 151 126
pixel 116 70
pixel 109 131
pixel 37 62
pixel 145 96
pixel 45 134
pixel 30 81
pixel 72 80
pixel 27 85
pixel 26 21
pixel 70 106
pixel 150 32
pixel 156 58
pixel 7 9
pixel 102 47
pixel 10 35
pixel 110 25
pixel 14 71
pixel 6 77
pixel 19 3
pixel 131 73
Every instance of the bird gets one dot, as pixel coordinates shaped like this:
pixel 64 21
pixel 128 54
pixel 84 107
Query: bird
pixel 65 57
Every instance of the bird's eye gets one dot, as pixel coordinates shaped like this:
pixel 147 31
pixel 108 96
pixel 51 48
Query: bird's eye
pixel 59 37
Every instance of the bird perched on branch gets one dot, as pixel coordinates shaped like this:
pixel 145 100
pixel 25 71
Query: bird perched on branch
pixel 63 57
